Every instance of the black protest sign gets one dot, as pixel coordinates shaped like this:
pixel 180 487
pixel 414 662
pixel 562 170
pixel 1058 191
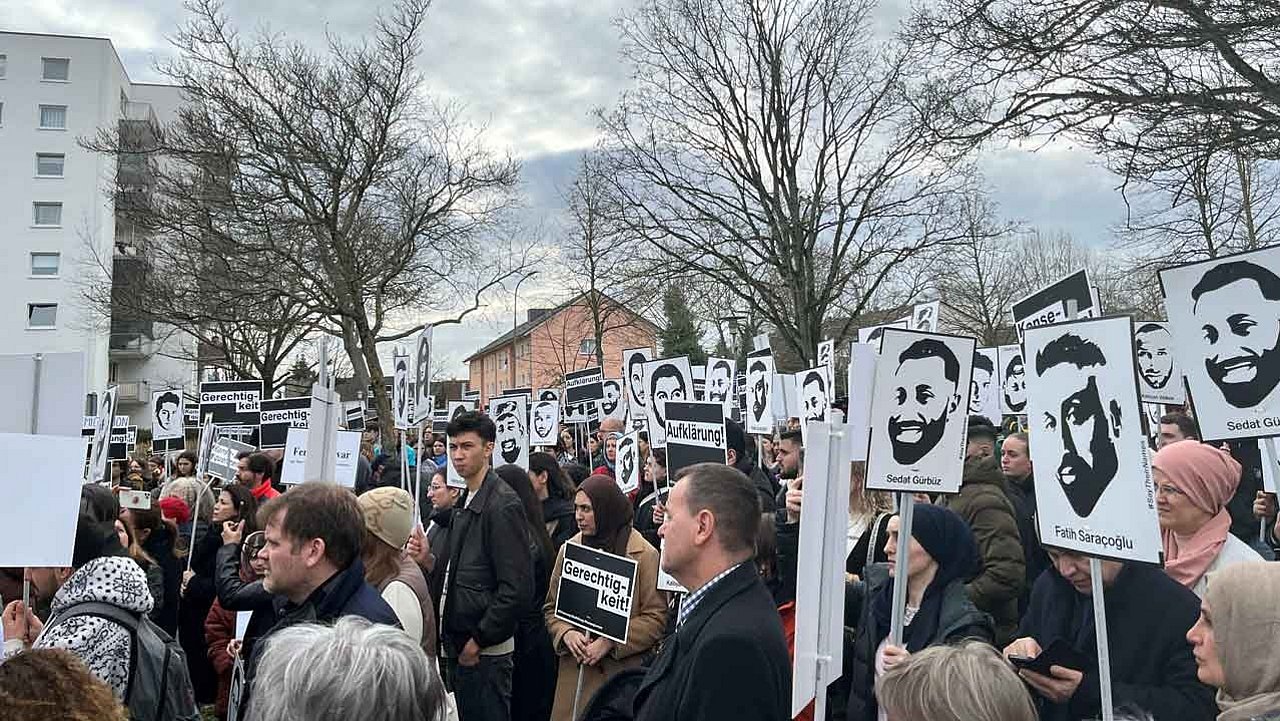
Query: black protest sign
pixel 190 411
pixel 118 447
pixel 1051 304
pixel 236 407
pixel 439 421
pixel 224 458
pixel 596 591
pixel 471 396
pixel 695 434
pixel 354 416
pixel 281 414
pixel 584 385
pixel 526 392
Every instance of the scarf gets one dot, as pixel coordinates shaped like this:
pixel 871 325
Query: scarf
pixel 1208 476
pixel 613 513
pixel 1246 634
pixel 949 542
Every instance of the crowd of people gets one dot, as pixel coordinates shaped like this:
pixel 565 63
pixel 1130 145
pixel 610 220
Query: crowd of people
pixel 322 602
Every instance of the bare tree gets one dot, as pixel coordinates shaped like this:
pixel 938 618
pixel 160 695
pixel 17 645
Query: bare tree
pixel 983 278
pixel 773 148
pixel 330 172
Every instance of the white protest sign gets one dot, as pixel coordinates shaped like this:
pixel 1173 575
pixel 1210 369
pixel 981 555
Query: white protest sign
pixel 323 419
pixel 720 386
pixel 815 395
pixel 166 415
pixel 665 379
pixel 614 403
pixel 1013 380
pixel 1159 375
pixel 345 458
pixel 1050 304
pixel 633 360
pixel 919 412
pixel 924 316
pixel 100 446
pixel 512 445
pixel 984 389
pixel 242 624
pixel 54 382
pixel 544 422
pixel 38 517
pixel 400 399
pixel 760 392
pixel 596 591
pixel 862 384
pixel 667 582
pixel 827 356
pixel 628 463
pixel 1094 491
pixel 874 333
pixel 423 403
pixel 1270 460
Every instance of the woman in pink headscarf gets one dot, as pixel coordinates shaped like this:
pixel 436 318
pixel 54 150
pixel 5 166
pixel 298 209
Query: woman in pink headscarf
pixel 1194 481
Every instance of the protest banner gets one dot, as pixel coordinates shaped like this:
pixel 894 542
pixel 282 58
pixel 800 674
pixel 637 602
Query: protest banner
pixel 1099 498
pixel 699 374
pixel 919 412
pixel 118 448
pixel 281 414
pixel 614 404
pixel 874 333
pixel 452 478
pixel 190 411
pixel 720 382
pixel 473 396
pixel 1052 303
pixel 346 457
pixel 628 462
pixel 924 316
pixel 353 414
pixel 760 391
pixel 695 434
pixel 862 383
pixel 665 379
pixel 815 393
pixel 512 444
pixel 596 591
pixel 1159 375
pixel 667 582
pixel 544 423
pixel 526 391
pixel 99 447
pixel 168 420
pixel 224 458
pixel 422 402
pixel 1013 380
pixel 984 388
pixel 37 517
pixel 633 360
pixel 820 577
pixel 235 406
pixel 401 394
pixel 44 393
pixel 584 385
pixel 1223 315
pixel 827 356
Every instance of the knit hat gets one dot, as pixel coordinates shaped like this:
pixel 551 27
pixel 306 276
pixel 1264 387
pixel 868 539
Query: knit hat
pixel 175 508
pixel 388 514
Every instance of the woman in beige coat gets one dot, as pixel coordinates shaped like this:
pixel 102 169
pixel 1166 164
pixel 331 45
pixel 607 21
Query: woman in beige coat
pixel 604 523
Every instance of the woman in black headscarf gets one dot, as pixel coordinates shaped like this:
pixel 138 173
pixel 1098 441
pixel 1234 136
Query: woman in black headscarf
pixel 943 557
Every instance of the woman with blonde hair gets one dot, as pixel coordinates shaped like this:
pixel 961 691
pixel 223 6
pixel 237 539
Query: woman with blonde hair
pixel 965 682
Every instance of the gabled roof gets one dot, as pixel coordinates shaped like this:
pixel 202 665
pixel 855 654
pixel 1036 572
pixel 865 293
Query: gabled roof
pixel 526 328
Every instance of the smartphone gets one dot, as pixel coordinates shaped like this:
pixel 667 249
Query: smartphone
pixel 1058 654
pixel 140 500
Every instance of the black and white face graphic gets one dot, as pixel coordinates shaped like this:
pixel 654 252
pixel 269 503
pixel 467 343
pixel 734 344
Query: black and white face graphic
pixel 1015 385
pixel 923 318
pixel 1154 347
pixel 511 435
pixel 422 366
pixel 826 349
pixel 1079 424
pixel 665 384
pixel 1236 306
pixel 168 415
pixel 612 396
pixel 102 433
pixel 758 390
pixel 401 387
pixel 548 394
pixel 720 381
pixel 545 422
pixel 633 366
pixel 813 396
pixel 925 393
pixel 984 373
pixel 626 458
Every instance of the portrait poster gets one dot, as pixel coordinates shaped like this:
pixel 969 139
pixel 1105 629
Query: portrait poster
pixel 628 462
pixel 100 446
pixel 919 413
pixel 512 443
pixel 453 479
pixel 924 316
pixel 422 375
pixel 827 355
pixel 1093 484
pixel 401 407
pixel 1224 315
pixel 544 423
pixel 1050 304
pixel 720 386
pixel 873 334
pixel 549 394
pixel 633 361
pixel 1013 380
pixel 235 406
pixel 760 391
pixel 167 416
pixel 1159 376
pixel 815 392
pixel 665 379
pixel 613 405
pixel 596 592
pixel 695 434
pixel 984 389
pixel 1151 414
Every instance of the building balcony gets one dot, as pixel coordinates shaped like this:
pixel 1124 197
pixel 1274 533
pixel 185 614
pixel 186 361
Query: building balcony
pixel 133 392
pixel 130 345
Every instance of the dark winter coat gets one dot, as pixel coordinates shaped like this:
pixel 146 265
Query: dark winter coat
pixel 1148 616
pixel 984 505
pixel 869 549
pixel 728 662
pixel 194 610
pixel 1023 497
pixel 557 513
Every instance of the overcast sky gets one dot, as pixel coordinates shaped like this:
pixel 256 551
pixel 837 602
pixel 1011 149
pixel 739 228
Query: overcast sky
pixel 532 71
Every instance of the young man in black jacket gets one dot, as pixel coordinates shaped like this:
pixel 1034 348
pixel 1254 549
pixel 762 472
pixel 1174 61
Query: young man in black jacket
pixel 488 582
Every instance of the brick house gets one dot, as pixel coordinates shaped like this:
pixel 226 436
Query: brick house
pixel 555 341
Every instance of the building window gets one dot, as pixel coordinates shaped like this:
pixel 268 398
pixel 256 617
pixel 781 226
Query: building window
pixel 4 65
pixel 1 114
pixel 49 165
pixel 502 362
pixel 53 117
pixel 587 347
pixel 47 214
pixel 42 315
pixel 45 265
pixel 55 69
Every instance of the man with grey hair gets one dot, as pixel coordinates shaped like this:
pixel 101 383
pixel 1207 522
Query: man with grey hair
pixel 728 620
pixel 353 668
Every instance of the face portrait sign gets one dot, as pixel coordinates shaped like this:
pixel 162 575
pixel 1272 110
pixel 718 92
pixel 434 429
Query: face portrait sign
pixel 815 405
pixel 984 389
pixel 103 422
pixel 760 391
pixel 400 391
pixel 1093 473
pixel 545 422
pixel 918 412
pixel 924 316
pixel 874 334
pixel 167 422
pixel 633 361
pixel 1013 380
pixel 1224 316
pixel 549 394
pixel 422 373
pixel 720 380
pixel 628 462
pixel 1159 378
pixel 512 444
pixel 827 354
pixel 613 405
pixel 666 379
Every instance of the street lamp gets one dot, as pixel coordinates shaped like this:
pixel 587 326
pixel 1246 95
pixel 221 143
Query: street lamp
pixel 515 323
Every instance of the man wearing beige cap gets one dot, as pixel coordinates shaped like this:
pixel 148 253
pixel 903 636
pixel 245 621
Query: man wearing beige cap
pixel 388 521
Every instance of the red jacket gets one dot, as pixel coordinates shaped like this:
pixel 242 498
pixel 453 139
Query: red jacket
pixel 787 612
pixel 219 630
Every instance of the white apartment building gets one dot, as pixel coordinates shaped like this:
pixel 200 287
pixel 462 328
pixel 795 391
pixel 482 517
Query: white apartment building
pixel 57 211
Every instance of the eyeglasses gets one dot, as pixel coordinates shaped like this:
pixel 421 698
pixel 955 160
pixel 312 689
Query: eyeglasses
pixel 1169 491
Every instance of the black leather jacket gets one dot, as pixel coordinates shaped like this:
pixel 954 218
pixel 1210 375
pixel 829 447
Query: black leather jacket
pixel 490 574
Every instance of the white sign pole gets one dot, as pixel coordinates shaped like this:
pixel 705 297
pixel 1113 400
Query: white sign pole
pixel 906 509
pixel 35 417
pixel 1100 628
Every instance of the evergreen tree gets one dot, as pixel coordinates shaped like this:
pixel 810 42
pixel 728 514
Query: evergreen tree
pixel 680 337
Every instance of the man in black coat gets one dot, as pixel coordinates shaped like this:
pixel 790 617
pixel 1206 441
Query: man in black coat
pixel 1148 616
pixel 728 658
